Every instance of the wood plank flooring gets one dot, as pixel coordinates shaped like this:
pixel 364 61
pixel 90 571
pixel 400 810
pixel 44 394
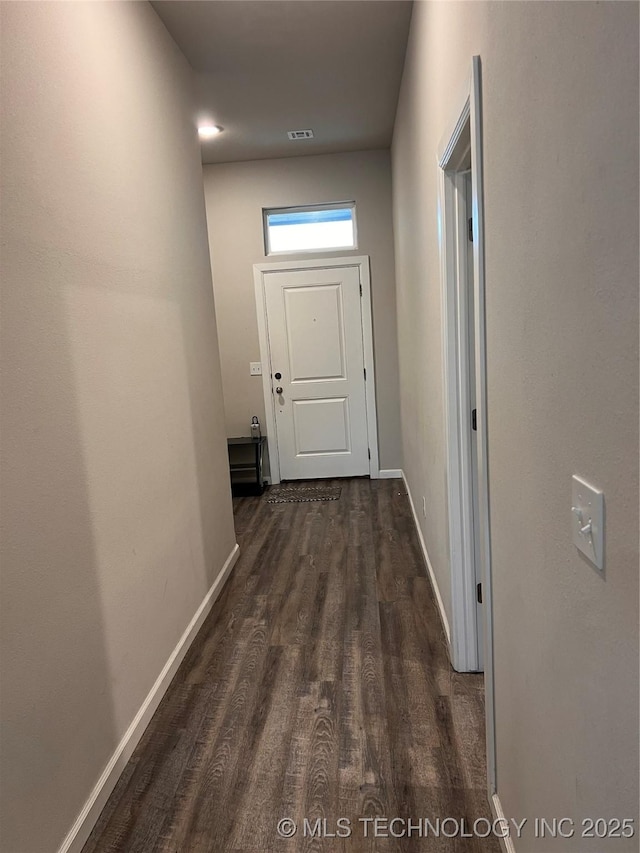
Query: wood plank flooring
pixel 319 687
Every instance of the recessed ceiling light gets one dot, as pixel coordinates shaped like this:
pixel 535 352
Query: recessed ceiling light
pixel 208 131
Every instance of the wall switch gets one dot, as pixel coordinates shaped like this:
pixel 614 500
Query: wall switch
pixel 255 368
pixel 587 520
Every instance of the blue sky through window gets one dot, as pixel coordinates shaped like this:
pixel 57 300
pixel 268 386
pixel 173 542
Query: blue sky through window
pixel 320 229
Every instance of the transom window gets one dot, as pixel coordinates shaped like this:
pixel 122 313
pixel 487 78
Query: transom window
pixel 320 227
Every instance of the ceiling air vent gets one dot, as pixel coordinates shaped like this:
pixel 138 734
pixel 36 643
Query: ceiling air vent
pixel 300 134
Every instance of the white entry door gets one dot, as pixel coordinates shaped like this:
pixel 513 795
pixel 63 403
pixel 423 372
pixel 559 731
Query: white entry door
pixel 314 327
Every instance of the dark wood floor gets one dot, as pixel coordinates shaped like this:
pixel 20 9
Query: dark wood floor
pixel 318 687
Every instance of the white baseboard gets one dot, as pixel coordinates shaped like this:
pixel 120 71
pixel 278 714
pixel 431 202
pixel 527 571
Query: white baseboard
pixel 90 813
pixel 390 474
pixel 434 582
pixel 506 844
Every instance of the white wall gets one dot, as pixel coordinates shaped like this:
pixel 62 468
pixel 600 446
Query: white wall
pixel 116 509
pixel 235 194
pixel 560 98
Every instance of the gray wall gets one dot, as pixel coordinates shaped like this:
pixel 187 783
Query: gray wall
pixel 116 510
pixel 560 95
pixel 235 195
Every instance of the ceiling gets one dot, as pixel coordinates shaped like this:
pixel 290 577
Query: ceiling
pixel 264 67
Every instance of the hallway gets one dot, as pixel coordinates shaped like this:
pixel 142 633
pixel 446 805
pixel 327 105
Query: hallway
pixel 318 687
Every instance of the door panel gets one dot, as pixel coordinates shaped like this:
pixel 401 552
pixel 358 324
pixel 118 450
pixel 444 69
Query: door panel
pixel 471 350
pixel 321 426
pixel 314 326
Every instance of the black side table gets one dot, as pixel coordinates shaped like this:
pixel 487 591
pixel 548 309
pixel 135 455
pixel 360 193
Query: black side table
pixel 245 465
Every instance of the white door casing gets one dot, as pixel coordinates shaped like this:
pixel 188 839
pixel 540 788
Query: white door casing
pixel 468 552
pixel 314 321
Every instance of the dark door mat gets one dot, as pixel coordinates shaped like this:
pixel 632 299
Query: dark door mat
pixel 298 494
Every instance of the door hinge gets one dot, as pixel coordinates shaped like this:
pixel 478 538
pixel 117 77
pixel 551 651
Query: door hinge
pixel 369 452
pixel 365 374
pixel 360 290
pixel 479 593
pixel 474 420
pixel 471 228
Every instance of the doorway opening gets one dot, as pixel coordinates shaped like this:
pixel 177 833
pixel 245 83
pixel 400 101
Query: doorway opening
pixel 461 236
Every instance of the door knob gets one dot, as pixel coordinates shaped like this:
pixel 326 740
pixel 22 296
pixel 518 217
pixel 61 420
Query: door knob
pixel 278 390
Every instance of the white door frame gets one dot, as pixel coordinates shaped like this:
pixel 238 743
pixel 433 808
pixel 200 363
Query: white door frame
pixel 466 118
pixel 260 274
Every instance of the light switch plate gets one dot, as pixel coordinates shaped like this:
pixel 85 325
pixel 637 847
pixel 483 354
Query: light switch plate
pixel 255 368
pixel 587 519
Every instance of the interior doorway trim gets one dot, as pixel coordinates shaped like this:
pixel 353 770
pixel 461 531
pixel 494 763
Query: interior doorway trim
pixel 260 276
pixel 464 136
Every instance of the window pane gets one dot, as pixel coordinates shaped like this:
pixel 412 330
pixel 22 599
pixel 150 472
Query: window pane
pixel 305 230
